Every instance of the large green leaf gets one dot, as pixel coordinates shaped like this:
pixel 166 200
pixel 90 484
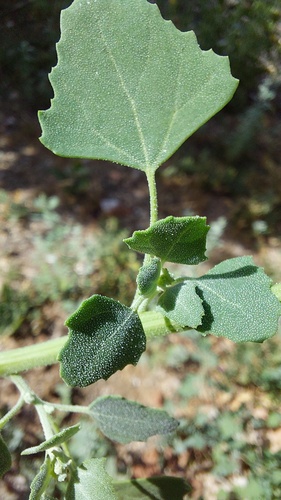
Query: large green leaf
pixel 174 239
pixel 155 488
pixel 5 458
pixel 104 336
pixel 91 482
pixel 129 87
pixel 238 301
pixel 125 421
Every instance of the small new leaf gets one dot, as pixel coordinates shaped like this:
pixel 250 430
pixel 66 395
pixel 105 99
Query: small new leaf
pixel 156 488
pixel 175 239
pixel 238 301
pixel 56 440
pixel 104 336
pixel 125 421
pixel 148 276
pixel 91 481
pixel 5 458
pixel 181 304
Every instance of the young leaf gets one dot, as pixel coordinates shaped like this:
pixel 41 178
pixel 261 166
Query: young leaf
pixel 5 458
pixel 55 440
pixel 104 336
pixel 148 276
pixel 129 87
pixel 41 480
pixel 156 488
pixel 238 302
pixel 174 239
pixel 124 421
pixel 91 482
pixel 182 305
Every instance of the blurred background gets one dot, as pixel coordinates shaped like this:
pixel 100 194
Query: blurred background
pixel 62 225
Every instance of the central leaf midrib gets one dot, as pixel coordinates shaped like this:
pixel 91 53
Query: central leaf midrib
pixel 129 97
pixel 176 241
pixel 119 326
pixel 218 295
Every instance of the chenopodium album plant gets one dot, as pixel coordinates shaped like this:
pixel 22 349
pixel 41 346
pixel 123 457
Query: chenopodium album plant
pixel 130 88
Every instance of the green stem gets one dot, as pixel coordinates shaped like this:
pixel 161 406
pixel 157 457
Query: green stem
pixel 12 412
pixel 137 301
pixel 68 408
pixel 46 353
pixel 44 418
pixel 25 358
pixel 152 196
pixel 30 397
pixel 154 324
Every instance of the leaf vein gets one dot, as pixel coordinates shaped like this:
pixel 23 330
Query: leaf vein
pixel 129 97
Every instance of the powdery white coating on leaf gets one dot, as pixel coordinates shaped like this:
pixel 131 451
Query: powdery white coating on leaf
pixel 124 421
pixel 148 276
pixel 174 239
pixel 104 337
pixel 129 87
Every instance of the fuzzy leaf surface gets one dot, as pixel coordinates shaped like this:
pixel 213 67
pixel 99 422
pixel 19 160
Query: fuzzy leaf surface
pixel 91 482
pixel 156 488
pixel 56 440
pixel 125 421
pixel 129 87
pixel 175 239
pixel 148 276
pixel 182 305
pixel 5 458
pixel 41 481
pixel 104 336
pixel 238 301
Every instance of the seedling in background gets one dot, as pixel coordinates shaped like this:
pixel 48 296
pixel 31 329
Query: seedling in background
pixel 130 88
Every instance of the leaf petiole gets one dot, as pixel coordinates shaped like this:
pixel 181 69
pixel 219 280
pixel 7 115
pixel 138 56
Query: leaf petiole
pixel 12 412
pixel 150 175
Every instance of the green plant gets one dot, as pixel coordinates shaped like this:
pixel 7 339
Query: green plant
pixel 132 94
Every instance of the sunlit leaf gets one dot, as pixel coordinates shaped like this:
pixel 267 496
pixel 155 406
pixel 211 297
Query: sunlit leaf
pixel 156 488
pixel 174 239
pixel 238 302
pixel 124 421
pixel 229 301
pixel 181 304
pixel 104 336
pixel 91 481
pixel 129 87
pixel 276 289
pixel 56 440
